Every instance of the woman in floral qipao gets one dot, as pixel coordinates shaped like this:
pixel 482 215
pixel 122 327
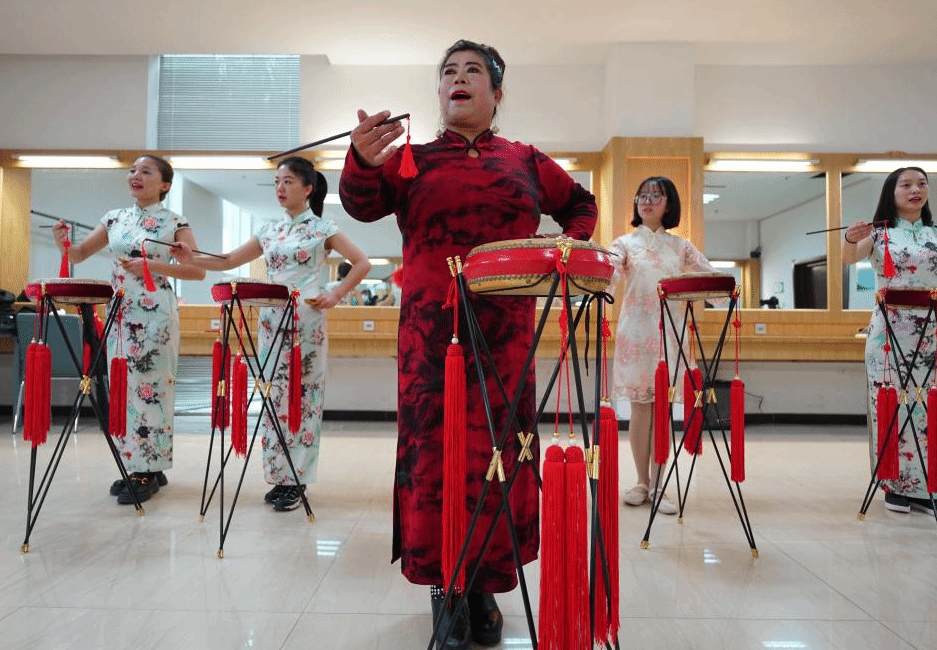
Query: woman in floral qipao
pixel 148 335
pixel 912 243
pixel 295 249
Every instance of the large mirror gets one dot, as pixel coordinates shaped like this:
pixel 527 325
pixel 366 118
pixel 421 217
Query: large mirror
pixel 224 208
pixel 756 225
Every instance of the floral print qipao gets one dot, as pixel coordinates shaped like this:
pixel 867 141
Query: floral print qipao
pixel 643 258
pixel 148 335
pixel 295 252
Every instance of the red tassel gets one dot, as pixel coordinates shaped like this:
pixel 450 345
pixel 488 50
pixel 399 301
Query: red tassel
pixel 37 393
pixel 147 278
pixel 577 552
pixel 606 613
pixel 117 395
pixel 737 416
pixel 661 413
pixel 932 439
pixel 885 412
pixel 552 621
pixel 239 406
pixel 63 266
pixel 454 466
pixel 29 392
pixel 407 166
pixel 693 412
pixel 219 420
pixel 295 389
pixel 888 265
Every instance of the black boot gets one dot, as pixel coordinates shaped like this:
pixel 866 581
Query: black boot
pixel 454 627
pixel 484 618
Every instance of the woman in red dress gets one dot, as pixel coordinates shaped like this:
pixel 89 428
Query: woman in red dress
pixel 471 188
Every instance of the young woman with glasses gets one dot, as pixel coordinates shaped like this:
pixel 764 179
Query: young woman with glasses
pixel 646 255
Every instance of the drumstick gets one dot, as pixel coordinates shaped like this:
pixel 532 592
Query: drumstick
pixel 815 232
pixel 156 241
pixel 396 118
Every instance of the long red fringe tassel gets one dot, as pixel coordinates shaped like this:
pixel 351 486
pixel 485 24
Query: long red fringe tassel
pixel 295 388
pixel 885 411
pixel 661 413
pixel 407 166
pixel 737 417
pixel 117 398
pixel 932 439
pixel 37 392
pixel 454 465
pixel 239 406
pixel 295 385
pixel 220 407
pixel 606 610
pixel 63 265
pixel 888 265
pixel 552 619
pixel 693 413
pixel 148 283
pixel 577 552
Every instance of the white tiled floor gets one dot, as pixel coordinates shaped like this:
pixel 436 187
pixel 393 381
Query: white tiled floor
pixel 97 576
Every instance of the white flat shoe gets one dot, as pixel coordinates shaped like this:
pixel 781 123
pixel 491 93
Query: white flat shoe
pixel 666 506
pixel 636 496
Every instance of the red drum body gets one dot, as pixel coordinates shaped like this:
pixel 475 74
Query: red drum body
pixel 72 290
pixel 696 286
pixel 908 298
pixel 525 267
pixel 251 292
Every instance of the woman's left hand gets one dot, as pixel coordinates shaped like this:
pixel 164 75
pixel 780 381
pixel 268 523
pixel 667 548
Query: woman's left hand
pixel 325 300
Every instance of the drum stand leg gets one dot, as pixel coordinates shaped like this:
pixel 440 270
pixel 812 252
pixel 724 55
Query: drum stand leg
pixel 258 374
pixel 479 350
pixel 38 493
pixel 903 368
pixel 710 368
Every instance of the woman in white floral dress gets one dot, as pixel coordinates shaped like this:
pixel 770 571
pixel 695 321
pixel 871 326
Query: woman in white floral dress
pixel 644 256
pixel 295 249
pixel 149 321
pixel 912 245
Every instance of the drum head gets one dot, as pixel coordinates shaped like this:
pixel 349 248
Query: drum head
pixel 76 291
pixel 527 267
pixel 251 292
pixel 696 286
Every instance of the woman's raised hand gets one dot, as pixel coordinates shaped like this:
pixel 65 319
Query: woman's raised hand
pixel 60 234
pixel 373 141
pixel 182 252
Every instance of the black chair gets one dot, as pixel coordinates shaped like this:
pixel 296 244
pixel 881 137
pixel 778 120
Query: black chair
pixel 63 366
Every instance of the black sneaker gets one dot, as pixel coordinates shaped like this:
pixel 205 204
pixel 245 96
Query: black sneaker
pixel 289 498
pixel 274 494
pixel 144 484
pixel 897 502
pixel 921 505
pixel 118 486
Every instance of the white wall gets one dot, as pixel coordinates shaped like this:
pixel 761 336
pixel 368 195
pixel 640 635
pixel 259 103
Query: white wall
pixel 817 108
pixel 73 102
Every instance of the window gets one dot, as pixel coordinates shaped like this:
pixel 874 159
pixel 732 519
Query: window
pixel 228 103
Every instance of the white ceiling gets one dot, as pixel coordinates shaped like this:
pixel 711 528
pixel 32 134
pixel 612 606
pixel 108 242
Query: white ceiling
pixel 525 31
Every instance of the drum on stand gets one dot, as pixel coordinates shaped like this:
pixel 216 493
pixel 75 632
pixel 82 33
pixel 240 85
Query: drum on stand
pixel 233 295
pixel 525 267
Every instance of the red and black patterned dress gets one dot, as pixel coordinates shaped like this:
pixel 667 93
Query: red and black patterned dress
pixel 464 194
